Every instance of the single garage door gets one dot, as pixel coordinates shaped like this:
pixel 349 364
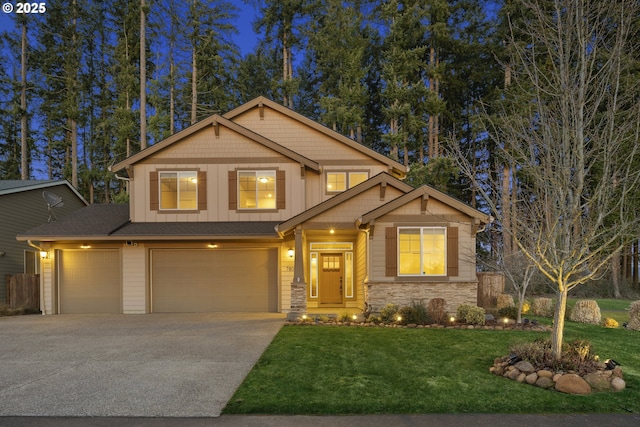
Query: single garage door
pixel 89 281
pixel 200 281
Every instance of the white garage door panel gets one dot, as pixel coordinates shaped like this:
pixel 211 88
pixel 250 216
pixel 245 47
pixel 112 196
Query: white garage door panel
pixel 214 280
pixel 89 281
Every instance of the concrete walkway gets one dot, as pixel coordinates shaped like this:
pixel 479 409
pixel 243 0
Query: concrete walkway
pixel 159 365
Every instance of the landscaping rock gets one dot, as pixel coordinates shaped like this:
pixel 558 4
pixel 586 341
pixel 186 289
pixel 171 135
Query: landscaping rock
pixel 617 372
pixel 556 377
pixel 545 373
pixel 521 377
pixel 598 382
pixel 531 378
pixel 524 366
pixel 618 384
pixel 513 374
pixel 573 384
pixel 544 382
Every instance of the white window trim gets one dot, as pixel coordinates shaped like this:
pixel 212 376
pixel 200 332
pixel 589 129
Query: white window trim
pixel 347 179
pixel 178 208
pixel 421 251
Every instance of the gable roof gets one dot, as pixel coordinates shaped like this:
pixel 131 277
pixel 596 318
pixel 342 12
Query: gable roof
pixel 215 120
pixel 261 102
pixel 380 179
pixel 10 186
pixel 425 192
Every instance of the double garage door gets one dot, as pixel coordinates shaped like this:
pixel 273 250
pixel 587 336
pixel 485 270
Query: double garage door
pixel 196 280
pixel 181 281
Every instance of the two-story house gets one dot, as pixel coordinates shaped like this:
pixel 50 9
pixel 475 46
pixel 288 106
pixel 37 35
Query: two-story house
pixel 261 209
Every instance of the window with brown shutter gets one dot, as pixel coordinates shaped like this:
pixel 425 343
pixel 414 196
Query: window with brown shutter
pixel 172 190
pixel 421 251
pixel 252 190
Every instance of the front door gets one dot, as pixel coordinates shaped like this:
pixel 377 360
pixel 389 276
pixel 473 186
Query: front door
pixel 331 269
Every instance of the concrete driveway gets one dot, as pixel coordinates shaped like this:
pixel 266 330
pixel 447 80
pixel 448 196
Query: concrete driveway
pixel 158 365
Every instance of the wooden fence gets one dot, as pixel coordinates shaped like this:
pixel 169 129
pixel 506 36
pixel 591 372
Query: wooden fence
pixel 23 291
pixel 490 285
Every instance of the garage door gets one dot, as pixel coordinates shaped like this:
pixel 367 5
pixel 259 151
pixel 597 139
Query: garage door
pixel 89 281
pixel 200 281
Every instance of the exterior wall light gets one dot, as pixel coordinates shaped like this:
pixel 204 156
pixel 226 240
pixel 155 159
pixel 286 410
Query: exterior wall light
pixel 85 246
pixel 44 254
pixel 290 252
pixel 212 245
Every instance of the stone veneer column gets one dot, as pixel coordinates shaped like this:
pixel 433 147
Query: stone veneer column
pixel 298 285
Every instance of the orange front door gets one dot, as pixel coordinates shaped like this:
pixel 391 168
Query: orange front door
pixel 331 289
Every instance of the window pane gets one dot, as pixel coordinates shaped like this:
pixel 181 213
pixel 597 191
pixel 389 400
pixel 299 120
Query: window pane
pixel 409 251
pixel 266 185
pixel 247 190
pixel 187 190
pixel 336 181
pixel 313 286
pixel 433 251
pixel 356 178
pixel 168 190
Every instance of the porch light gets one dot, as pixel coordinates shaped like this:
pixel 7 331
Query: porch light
pixel 290 252
pixel 44 254
pixel 85 246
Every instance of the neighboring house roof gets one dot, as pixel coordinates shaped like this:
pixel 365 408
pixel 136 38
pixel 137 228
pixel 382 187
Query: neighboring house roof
pixel 111 222
pixel 380 179
pixel 424 192
pixel 11 186
pixel 261 101
pixel 216 120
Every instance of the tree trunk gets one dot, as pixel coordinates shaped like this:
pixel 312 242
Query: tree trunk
pixel 615 275
pixel 143 79
pixel 558 321
pixel 24 150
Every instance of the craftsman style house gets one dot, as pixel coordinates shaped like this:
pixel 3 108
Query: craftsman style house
pixel 260 209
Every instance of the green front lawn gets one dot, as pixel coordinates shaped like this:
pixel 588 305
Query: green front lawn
pixel 354 370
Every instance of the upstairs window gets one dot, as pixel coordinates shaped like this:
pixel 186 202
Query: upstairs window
pixel 257 189
pixel 178 190
pixel 341 181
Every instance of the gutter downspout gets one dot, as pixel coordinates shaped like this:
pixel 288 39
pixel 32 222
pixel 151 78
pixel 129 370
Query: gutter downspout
pixel 42 307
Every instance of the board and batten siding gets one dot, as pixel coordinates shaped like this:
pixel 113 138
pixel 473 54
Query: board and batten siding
pixel 217 193
pixel 134 285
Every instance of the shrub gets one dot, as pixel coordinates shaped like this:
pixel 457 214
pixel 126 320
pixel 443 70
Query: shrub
pixel 389 313
pixel 542 307
pixel 436 309
pixel 510 312
pixel 586 311
pixel 504 300
pixel 471 314
pixel 576 355
pixel 525 307
pixel 610 323
pixel 634 316
pixel 415 313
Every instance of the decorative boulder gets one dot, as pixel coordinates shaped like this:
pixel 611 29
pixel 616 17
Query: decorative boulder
pixel 524 366
pixel 618 384
pixel 544 382
pixel 573 384
pixel 598 382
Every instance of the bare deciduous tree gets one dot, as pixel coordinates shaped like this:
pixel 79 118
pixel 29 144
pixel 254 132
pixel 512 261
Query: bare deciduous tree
pixel 573 138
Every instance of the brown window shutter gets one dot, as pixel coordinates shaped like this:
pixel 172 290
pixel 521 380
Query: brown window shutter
pixel 452 251
pixel 154 199
pixel 391 252
pixel 280 190
pixel 202 190
pixel 233 190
